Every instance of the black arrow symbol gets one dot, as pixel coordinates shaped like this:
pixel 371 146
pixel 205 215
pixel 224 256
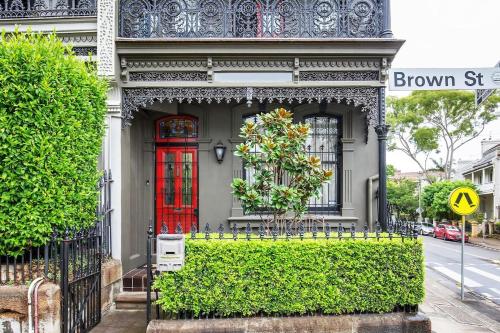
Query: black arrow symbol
pixel 467 197
pixel 469 200
pixel 457 201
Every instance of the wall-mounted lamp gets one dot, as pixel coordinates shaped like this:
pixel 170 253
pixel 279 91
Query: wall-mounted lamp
pixel 220 151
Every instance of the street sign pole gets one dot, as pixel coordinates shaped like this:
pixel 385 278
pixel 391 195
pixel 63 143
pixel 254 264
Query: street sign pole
pixel 463 201
pixel 462 261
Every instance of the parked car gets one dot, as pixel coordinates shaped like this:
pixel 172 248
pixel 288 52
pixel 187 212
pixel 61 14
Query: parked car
pixel 448 232
pixel 426 229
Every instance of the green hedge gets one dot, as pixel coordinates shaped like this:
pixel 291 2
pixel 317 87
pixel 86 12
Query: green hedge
pixel 294 277
pixel 52 108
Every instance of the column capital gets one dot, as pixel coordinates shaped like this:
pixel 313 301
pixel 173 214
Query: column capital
pixel 382 130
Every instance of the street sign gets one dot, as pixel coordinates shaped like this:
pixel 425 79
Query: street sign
pixel 402 79
pixel 419 210
pixel 483 94
pixel 463 201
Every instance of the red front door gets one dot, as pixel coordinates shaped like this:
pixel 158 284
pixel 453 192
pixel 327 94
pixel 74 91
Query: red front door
pixel 176 188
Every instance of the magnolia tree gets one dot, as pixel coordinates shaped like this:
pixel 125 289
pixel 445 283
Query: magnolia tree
pixel 284 177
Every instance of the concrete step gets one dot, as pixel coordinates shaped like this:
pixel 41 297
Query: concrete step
pixel 132 300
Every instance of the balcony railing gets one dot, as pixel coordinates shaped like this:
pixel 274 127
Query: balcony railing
pixel 254 18
pixel 46 8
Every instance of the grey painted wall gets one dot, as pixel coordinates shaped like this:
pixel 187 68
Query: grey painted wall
pixel 221 122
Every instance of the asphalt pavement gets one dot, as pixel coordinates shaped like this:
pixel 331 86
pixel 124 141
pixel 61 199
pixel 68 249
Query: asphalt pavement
pixel 480 311
pixel 481 266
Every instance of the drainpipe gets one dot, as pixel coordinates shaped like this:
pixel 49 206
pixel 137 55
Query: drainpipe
pixel 33 286
pixel 35 304
pixel 369 219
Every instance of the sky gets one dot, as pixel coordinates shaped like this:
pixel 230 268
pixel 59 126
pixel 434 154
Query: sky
pixel 447 34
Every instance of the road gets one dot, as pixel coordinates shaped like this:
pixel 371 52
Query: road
pixel 482 266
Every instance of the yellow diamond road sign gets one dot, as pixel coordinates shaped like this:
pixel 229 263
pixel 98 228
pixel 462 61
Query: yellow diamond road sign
pixel 463 200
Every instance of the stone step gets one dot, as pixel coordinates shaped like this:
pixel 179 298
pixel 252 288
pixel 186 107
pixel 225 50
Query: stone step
pixel 129 300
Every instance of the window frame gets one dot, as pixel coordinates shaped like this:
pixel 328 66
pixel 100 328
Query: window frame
pixel 326 210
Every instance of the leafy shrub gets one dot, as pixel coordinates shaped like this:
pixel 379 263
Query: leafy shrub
pixel 294 277
pixel 52 110
pixel 285 178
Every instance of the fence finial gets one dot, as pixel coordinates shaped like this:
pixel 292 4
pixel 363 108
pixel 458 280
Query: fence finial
pixel 315 229
pixel 248 231
pixel 353 230
pixel 301 230
pixel 194 230
pixel 261 230
pixel 328 230
pixel 178 229
pixel 235 231
pixel 365 231
pixel 221 231
pixel 207 231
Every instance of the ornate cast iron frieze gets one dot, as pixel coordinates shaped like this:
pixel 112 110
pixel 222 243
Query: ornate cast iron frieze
pixel 365 98
pixel 85 50
pixel 46 8
pixel 251 18
pixel 168 76
pixel 339 76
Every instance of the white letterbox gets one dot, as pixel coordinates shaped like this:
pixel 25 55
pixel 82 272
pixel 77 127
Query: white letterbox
pixel 169 252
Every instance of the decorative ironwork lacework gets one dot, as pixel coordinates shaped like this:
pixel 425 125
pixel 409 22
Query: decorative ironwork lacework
pixel 168 76
pixel 339 76
pixel 365 98
pixel 47 8
pixel 251 18
pixel 85 50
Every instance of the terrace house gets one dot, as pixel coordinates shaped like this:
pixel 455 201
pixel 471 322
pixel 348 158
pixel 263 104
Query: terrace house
pixel 186 74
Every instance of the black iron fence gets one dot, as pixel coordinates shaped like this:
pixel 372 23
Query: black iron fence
pixel 104 211
pixel 45 260
pixel 397 230
pixel 72 260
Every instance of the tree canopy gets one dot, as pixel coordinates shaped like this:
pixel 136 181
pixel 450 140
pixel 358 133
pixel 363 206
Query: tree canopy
pixel 435 198
pixel 402 194
pixel 429 123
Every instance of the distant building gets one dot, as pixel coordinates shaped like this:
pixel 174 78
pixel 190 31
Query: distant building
pixel 417 176
pixel 485 173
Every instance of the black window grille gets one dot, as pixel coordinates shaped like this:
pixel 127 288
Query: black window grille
pixel 323 142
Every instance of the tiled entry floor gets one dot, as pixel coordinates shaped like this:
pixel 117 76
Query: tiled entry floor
pixel 135 280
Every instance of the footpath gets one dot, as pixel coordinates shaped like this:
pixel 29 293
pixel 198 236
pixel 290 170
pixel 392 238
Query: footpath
pixel 490 243
pixel 449 314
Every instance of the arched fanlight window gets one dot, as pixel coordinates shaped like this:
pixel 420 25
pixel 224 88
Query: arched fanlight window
pixel 175 128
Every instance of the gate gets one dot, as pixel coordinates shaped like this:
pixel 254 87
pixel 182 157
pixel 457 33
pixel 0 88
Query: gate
pixel 81 281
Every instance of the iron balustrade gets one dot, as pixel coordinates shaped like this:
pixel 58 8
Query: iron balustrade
pixel 10 9
pixel 254 18
pixel 397 230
